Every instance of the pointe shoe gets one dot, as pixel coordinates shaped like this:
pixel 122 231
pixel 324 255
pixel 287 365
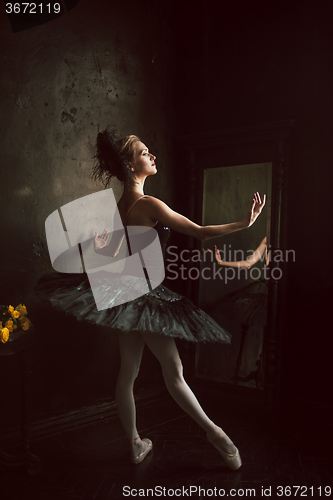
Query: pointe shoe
pixel 146 448
pixel 233 460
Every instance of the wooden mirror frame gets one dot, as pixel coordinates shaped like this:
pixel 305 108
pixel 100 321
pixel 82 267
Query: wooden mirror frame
pixel 267 143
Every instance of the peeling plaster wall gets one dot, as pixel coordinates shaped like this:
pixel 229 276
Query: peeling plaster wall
pixel 103 63
pixel 61 82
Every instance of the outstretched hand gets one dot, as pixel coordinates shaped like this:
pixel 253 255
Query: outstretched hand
pixel 102 240
pixel 255 209
pixel 217 255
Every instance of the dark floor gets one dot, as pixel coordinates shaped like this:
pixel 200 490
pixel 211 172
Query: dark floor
pixel 93 463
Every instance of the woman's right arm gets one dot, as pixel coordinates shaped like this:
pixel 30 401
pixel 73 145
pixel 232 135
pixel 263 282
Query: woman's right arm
pixel 157 210
pixel 102 245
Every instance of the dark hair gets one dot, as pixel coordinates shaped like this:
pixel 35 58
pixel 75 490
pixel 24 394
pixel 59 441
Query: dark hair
pixel 113 157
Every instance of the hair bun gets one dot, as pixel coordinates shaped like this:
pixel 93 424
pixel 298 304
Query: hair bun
pixel 110 160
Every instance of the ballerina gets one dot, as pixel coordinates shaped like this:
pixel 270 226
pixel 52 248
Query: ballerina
pixel 155 319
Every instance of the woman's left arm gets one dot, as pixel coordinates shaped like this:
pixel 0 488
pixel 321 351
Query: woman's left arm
pixel 157 210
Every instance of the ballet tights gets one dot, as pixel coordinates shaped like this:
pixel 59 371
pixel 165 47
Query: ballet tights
pixel 131 346
pixel 164 348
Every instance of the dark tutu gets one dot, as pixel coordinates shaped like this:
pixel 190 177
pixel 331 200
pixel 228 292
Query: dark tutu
pixel 160 311
pixel 248 304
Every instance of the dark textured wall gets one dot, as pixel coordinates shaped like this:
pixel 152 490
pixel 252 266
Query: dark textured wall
pixel 103 63
pixel 60 82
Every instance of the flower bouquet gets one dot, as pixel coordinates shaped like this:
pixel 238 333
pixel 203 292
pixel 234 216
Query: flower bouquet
pixel 13 320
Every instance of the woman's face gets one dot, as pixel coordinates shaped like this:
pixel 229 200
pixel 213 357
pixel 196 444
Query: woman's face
pixel 144 161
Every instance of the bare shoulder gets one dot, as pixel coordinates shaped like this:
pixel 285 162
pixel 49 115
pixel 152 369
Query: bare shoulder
pixel 142 211
pixel 149 210
pixel 150 199
pixel 154 203
pixel 156 209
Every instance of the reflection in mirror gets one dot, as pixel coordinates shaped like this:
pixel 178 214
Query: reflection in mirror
pixel 235 294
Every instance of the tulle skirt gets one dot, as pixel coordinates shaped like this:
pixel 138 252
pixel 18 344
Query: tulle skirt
pixel 160 311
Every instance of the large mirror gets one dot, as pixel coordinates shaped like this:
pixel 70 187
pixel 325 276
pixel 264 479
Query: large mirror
pixel 224 169
pixel 233 295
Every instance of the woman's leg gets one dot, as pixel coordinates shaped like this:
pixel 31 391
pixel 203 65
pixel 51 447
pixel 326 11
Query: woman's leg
pixel 165 349
pixel 131 346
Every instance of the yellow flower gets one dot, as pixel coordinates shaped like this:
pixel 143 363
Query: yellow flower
pixel 15 314
pixel 10 309
pixel 25 323
pixel 22 310
pixel 25 326
pixel 9 325
pixel 4 335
